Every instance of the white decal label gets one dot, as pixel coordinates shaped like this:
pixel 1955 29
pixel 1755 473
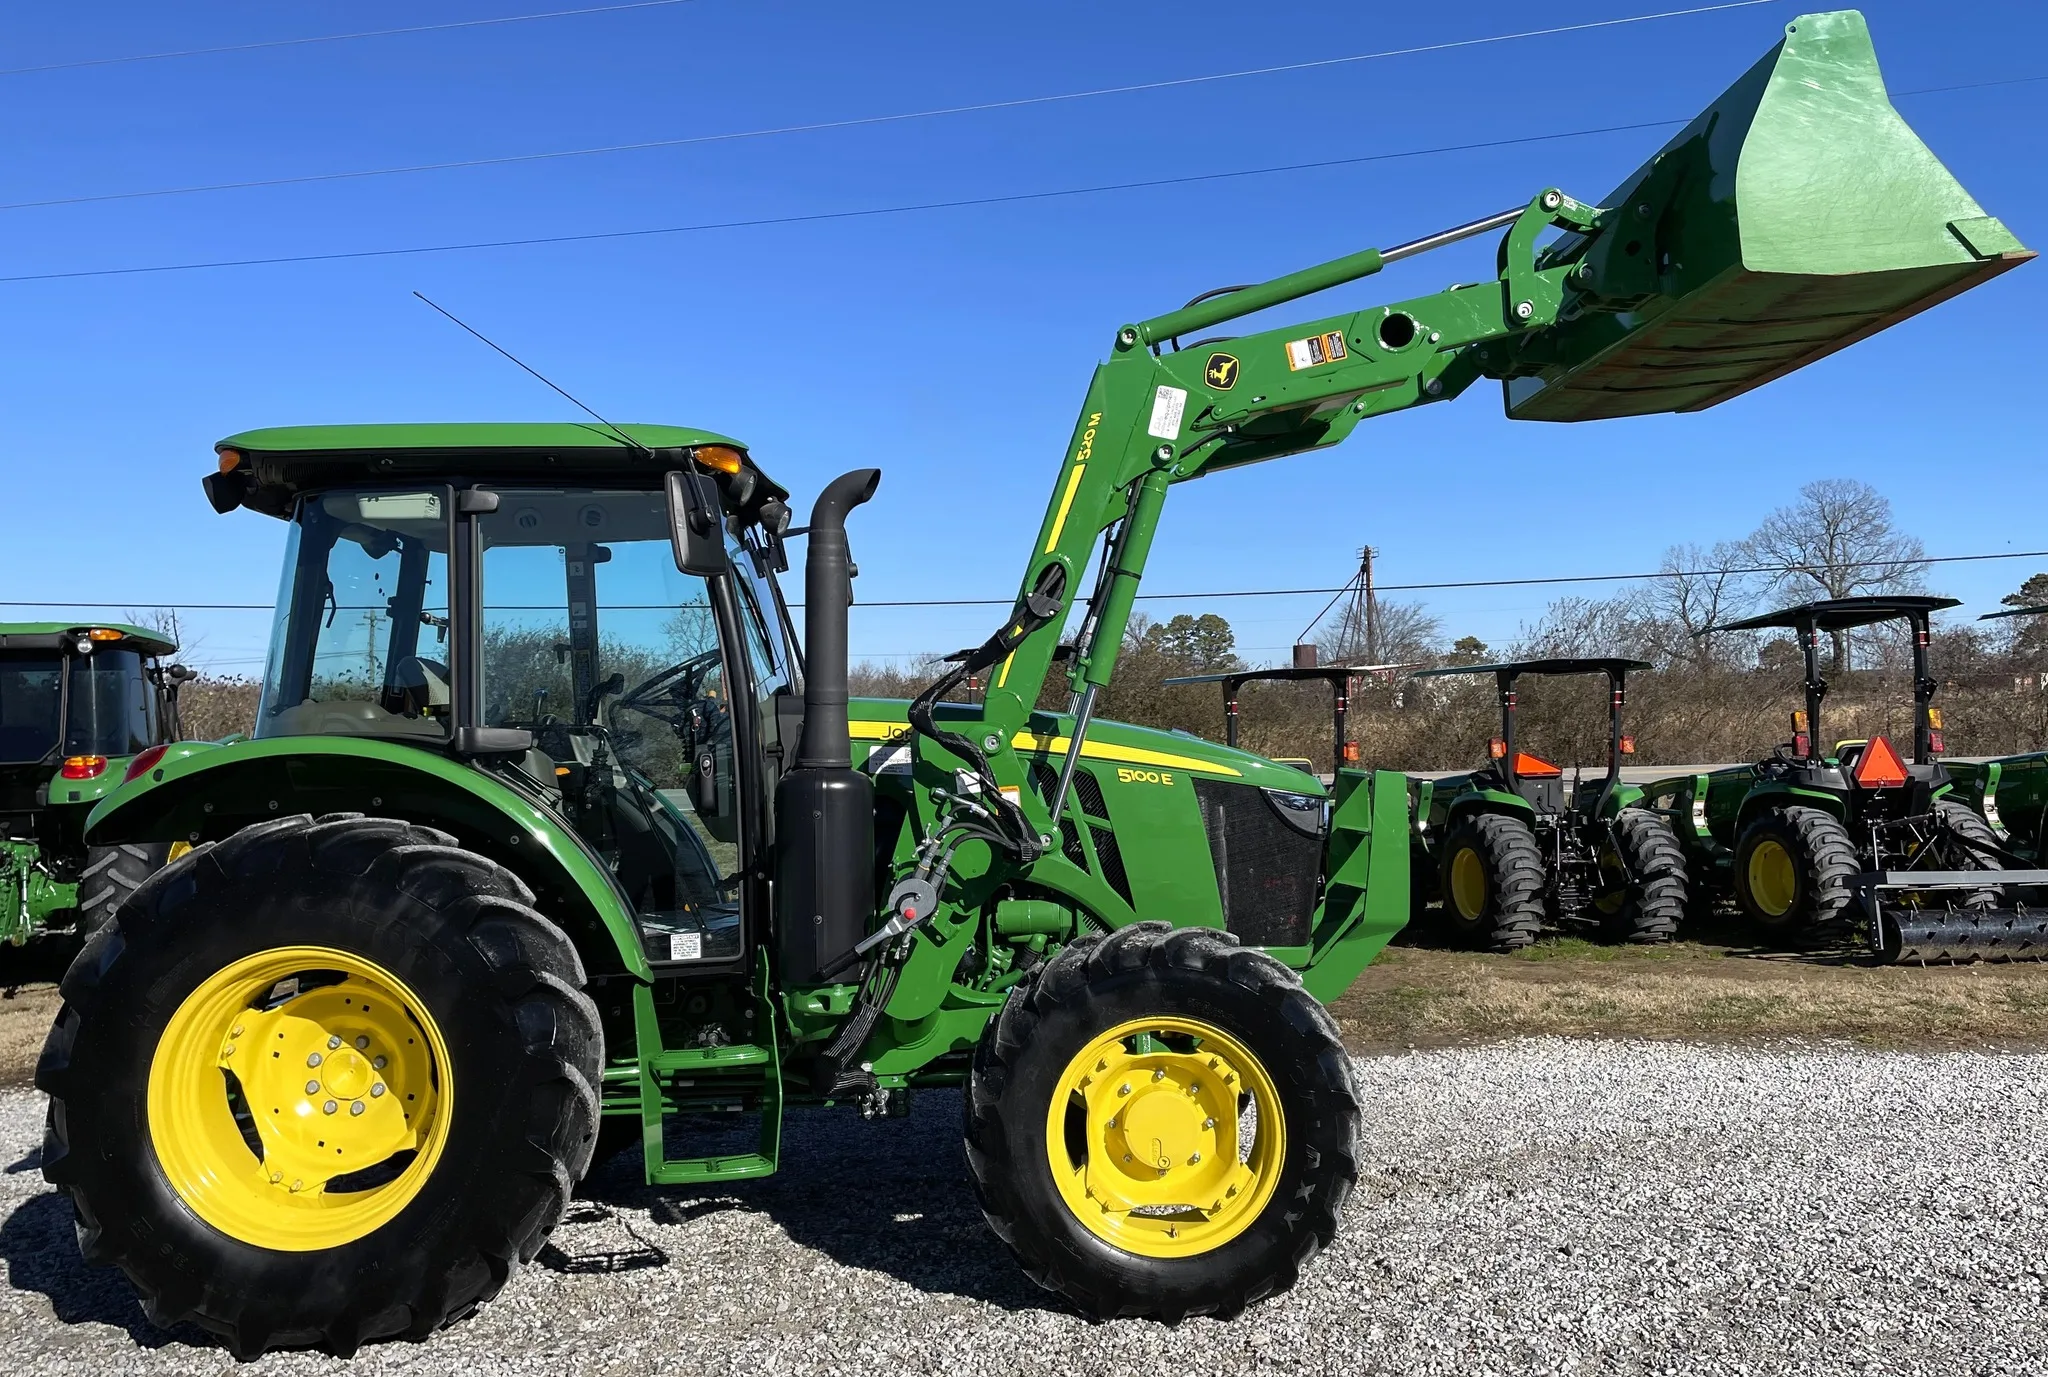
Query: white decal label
pixel 1307 353
pixel 1167 405
pixel 685 946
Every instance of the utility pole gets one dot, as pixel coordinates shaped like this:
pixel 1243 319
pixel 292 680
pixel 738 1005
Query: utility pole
pixel 1372 610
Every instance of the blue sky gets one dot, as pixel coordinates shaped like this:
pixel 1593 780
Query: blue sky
pixel 950 347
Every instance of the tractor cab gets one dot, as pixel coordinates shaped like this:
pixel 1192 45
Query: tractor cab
pixel 1511 850
pixel 1866 839
pixel 1538 782
pixel 77 703
pixel 543 628
pixel 1873 774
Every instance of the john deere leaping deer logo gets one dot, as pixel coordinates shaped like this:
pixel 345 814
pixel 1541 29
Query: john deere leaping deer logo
pixel 1221 372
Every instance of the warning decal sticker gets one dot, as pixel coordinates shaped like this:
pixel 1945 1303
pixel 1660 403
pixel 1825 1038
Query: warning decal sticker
pixel 1307 353
pixel 1167 405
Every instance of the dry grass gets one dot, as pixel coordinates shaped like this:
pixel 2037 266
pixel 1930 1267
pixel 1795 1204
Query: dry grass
pixel 1416 996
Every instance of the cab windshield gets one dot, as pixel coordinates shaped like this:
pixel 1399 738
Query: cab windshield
pixel 110 711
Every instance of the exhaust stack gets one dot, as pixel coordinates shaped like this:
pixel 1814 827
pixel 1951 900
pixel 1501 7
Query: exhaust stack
pixel 824 808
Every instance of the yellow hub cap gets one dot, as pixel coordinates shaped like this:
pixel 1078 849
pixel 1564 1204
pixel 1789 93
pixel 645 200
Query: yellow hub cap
pixel 1165 1137
pixel 1468 883
pixel 1614 876
pixel 1773 879
pixel 299 1098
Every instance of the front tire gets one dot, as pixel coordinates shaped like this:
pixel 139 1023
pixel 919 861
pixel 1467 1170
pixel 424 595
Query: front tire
pixel 1107 1128
pixel 321 1083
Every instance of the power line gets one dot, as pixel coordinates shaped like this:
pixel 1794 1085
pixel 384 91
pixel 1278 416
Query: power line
pixel 759 222
pixel 864 120
pixel 336 37
pixel 1219 595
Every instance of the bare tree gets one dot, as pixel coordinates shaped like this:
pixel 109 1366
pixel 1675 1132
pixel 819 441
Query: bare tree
pixel 1701 587
pixel 1402 631
pixel 1576 627
pixel 1839 541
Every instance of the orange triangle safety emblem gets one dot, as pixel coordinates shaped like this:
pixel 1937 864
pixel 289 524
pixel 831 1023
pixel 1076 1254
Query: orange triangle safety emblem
pixel 1880 767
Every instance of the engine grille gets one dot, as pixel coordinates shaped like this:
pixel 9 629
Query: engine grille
pixel 1268 868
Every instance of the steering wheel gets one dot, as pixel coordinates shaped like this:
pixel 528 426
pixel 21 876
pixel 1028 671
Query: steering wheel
pixel 672 688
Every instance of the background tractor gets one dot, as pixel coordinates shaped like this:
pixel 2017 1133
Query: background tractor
pixel 79 706
pixel 1506 849
pixel 2010 792
pixel 1813 843
pixel 545 826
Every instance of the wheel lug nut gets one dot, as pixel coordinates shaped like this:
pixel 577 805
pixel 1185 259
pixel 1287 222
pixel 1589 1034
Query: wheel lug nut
pixel 377 1063
pixel 329 1107
pixel 1193 1160
pixel 332 1043
pixel 362 1044
pixel 235 1031
pixel 358 1107
pixel 1208 1123
pixel 298 1185
pixel 313 1059
pixel 1158 1075
pixel 376 1090
pixel 276 1177
pixel 1124 1089
pixel 312 1087
pixel 228 1051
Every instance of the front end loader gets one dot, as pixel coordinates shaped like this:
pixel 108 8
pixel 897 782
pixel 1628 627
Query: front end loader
pixel 546 839
pixel 1507 852
pixel 1815 845
pixel 80 706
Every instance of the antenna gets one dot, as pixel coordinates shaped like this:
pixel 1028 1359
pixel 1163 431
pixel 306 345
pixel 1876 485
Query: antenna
pixel 535 372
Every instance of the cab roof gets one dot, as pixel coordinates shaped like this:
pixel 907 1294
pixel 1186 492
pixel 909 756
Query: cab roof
pixel 280 462
pixel 57 635
pixel 2013 612
pixel 1841 614
pixel 1594 664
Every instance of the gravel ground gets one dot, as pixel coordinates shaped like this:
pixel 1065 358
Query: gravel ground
pixel 1537 1207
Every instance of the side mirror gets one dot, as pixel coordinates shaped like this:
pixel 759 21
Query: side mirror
pixel 695 528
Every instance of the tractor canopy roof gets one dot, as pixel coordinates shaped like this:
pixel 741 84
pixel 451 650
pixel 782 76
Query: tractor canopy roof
pixel 64 635
pixel 2014 612
pixel 1591 664
pixel 1841 614
pixel 1295 673
pixel 278 463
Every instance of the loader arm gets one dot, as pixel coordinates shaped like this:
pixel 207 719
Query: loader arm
pixel 1157 415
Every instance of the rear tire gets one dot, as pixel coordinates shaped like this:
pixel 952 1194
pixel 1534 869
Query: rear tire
pixel 1793 866
pixel 1654 903
pixel 1493 883
pixel 111 874
pixel 502 1068
pixel 1042 1107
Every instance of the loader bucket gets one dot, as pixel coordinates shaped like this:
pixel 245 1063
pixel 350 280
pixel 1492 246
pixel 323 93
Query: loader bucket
pixel 1797 215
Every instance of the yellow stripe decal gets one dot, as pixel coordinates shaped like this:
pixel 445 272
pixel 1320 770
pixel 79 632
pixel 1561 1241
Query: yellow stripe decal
pixel 877 731
pixel 1003 674
pixel 1059 522
pixel 1130 755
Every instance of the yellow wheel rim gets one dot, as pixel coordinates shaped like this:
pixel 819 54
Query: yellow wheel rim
pixel 1773 879
pixel 1468 883
pixel 1166 1137
pixel 299 1098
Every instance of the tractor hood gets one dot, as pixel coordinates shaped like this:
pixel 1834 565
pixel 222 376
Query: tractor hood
pixel 880 724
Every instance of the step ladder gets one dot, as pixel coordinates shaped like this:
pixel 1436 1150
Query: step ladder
pixel 685 1080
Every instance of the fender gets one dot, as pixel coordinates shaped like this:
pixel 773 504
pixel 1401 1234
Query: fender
pixel 205 795
pixel 1771 794
pixel 1486 801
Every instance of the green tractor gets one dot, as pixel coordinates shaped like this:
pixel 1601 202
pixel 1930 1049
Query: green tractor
pixel 80 706
pixel 1508 852
pixel 2010 792
pixel 547 838
pixel 1815 845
